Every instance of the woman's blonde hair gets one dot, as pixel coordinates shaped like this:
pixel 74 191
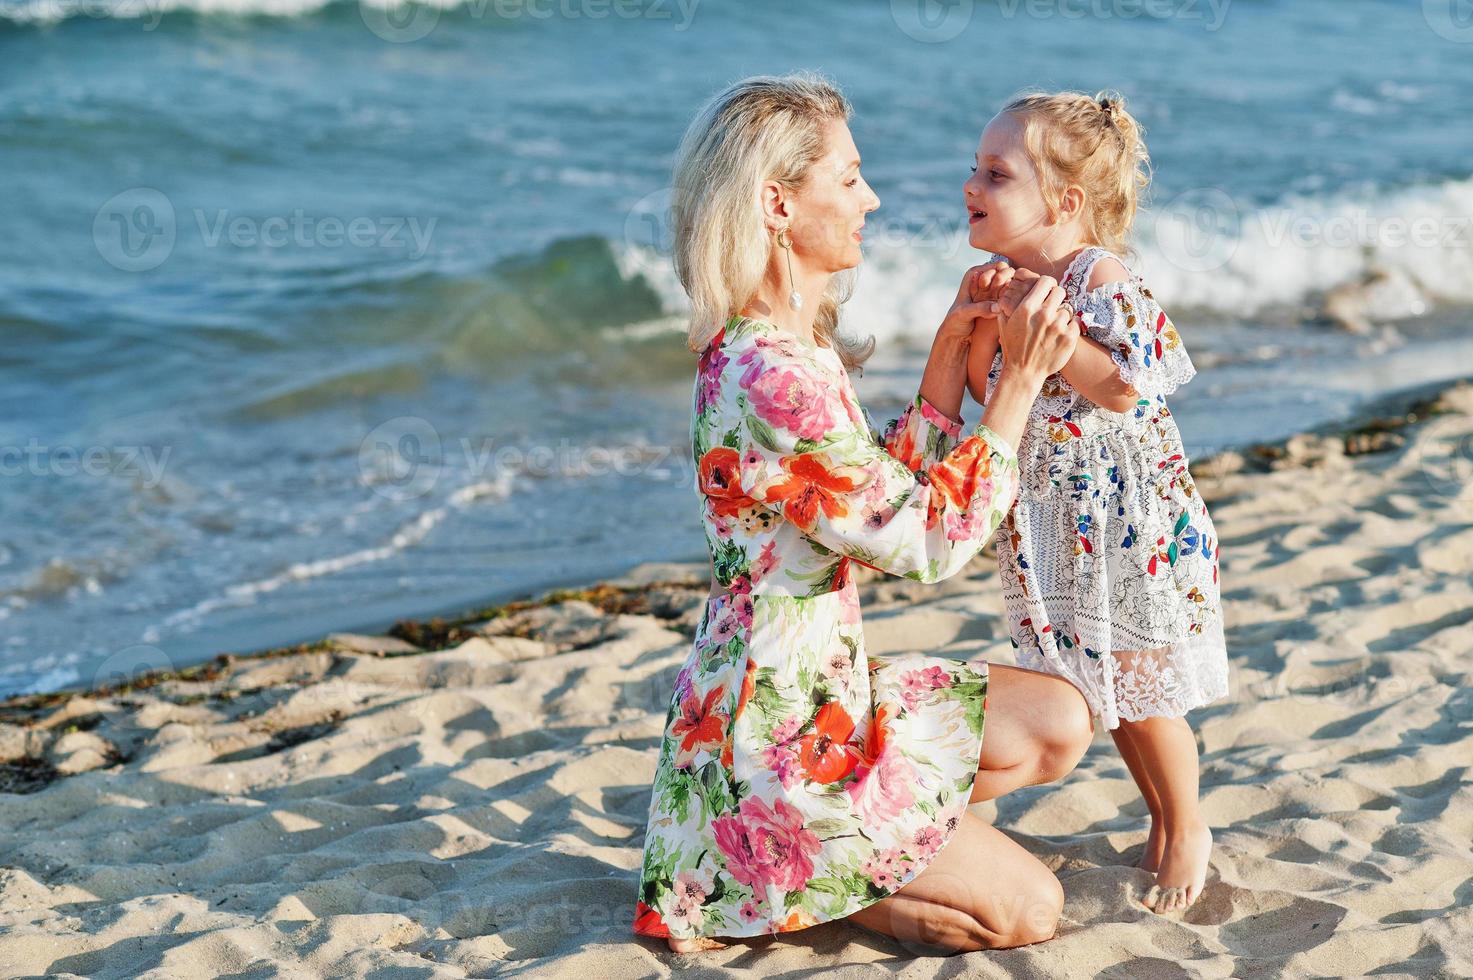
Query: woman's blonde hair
pixel 1092 142
pixel 758 129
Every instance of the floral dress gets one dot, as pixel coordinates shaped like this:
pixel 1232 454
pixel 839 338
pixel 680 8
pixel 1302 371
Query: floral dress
pixel 800 780
pixel 1109 559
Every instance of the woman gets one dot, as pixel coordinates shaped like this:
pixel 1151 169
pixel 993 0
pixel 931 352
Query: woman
pixel 800 780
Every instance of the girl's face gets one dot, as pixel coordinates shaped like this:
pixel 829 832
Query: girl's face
pixel 1004 199
pixel 828 210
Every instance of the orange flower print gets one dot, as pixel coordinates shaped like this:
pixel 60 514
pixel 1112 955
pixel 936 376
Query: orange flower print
pixel 958 475
pixel 700 727
pixel 749 678
pixel 810 486
pixel 825 754
pixel 719 482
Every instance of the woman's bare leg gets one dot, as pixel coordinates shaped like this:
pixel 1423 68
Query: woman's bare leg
pixel 1037 728
pixel 982 891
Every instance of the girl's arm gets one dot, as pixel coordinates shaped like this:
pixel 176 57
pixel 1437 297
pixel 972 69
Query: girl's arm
pixel 982 353
pixel 1096 376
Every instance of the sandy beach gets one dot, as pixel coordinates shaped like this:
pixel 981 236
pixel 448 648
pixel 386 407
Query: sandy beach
pixel 468 799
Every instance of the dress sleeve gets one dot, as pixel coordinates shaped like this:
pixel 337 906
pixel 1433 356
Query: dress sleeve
pixel 884 506
pixel 1148 351
pixel 920 436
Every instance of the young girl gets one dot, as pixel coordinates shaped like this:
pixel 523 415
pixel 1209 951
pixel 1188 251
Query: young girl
pixel 1109 559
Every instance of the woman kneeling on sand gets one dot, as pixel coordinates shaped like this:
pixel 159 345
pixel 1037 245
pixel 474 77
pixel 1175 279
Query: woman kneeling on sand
pixel 801 780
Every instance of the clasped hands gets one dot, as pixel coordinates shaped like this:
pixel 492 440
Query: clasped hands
pixel 1021 311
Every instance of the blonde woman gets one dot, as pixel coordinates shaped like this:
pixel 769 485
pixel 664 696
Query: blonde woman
pixel 801 780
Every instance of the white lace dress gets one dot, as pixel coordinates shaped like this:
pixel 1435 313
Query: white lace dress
pixel 1109 560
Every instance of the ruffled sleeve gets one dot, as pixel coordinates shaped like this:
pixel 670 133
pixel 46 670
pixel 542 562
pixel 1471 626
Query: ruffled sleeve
pixel 916 506
pixel 1144 343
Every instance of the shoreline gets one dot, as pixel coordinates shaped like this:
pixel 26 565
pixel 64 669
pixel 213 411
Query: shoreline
pixel 1375 427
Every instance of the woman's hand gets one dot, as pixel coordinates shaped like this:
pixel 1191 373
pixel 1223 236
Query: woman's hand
pixel 1038 333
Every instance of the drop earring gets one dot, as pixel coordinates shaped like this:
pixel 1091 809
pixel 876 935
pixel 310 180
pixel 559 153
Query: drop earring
pixel 795 298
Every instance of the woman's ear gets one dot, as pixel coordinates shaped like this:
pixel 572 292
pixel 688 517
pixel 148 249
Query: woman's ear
pixel 775 206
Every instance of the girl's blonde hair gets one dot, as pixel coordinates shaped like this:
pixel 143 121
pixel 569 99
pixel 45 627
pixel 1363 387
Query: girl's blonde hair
pixel 758 129
pixel 1092 142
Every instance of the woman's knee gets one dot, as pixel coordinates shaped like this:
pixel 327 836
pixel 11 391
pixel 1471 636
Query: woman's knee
pixel 1028 913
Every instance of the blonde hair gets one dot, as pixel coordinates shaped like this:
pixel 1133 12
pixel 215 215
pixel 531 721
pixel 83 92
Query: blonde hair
pixel 1092 142
pixel 758 129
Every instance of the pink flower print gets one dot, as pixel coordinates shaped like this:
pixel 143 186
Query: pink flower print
pixel 936 676
pixel 752 459
pixel 741 585
pixel 744 608
pixel 749 912
pixel 691 885
pixel 883 792
pixel 787 729
pixel 726 625
pixel 927 842
pixel 767 846
pixel 837 665
pixel 915 689
pixel 721 526
pixel 876 516
pixel 793 399
pixel 886 868
pixel 713 361
pixel 765 562
pixel 783 761
pixel 963 526
pixel 849 607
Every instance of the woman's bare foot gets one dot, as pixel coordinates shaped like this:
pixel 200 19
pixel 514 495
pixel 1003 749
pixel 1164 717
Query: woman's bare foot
pixel 1155 847
pixel 699 944
pixel 1183 871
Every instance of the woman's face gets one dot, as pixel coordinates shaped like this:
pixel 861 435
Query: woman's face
pixel 1004 200
pixel 828 210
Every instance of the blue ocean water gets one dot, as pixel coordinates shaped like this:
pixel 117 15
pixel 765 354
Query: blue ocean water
pixel 318 315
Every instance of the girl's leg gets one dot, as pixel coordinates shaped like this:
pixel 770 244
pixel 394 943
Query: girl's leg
pixel 1037 728
pixel 1155 841
pixel 1165 749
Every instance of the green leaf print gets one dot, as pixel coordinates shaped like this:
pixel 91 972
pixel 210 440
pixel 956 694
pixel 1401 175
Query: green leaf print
pixel 677 792
pixel 826 896
pixel 715 797
pixel 970 694
pixel 728 562
pixel 1181 522
pixel 766 696
pixel 763 434
pixel 827 827
pixel 1172 552
pixel 732 439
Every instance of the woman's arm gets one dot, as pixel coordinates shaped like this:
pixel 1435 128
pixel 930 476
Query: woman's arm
pixel 947 367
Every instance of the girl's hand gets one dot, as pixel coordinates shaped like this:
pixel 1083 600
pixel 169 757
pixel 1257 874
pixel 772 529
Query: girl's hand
pixel 973 301
pixel 1038 337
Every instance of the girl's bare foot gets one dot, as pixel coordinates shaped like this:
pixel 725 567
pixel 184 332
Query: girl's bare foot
pixel 1183 871
pixel 699 944
pixel 1155 847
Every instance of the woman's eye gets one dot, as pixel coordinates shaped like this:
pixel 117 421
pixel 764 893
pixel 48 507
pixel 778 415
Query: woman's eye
pixel 973 168
pixel 997 175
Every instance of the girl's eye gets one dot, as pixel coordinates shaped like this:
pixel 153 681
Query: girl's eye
pixel 852 183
